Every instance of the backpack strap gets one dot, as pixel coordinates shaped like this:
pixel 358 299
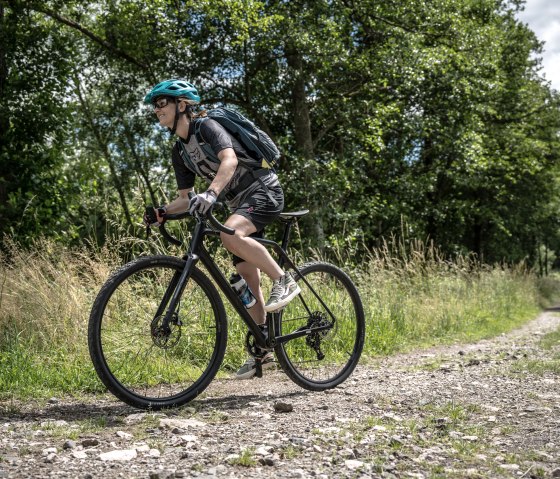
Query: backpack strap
pixel 248 180
pixel 250 177
pixel 185 156
pixel 208 151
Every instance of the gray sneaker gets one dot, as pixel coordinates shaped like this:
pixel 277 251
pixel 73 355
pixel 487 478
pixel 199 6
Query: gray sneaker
pixel 248 370
pixel 283 291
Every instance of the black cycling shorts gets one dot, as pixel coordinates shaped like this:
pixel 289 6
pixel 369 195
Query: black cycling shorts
pixel 260 210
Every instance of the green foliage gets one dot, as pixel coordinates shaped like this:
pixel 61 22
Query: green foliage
pixel 245 459
pixel 429 113
pixel 420 299
pixel 547 365
pixel 551 340
pixel 550 364
pixel 34 125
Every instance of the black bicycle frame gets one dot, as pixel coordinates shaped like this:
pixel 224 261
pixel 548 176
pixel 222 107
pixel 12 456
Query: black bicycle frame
pixel 197 252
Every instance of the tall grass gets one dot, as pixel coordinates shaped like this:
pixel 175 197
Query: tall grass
pixel 45 293
pixel 411 297
pixel 415 297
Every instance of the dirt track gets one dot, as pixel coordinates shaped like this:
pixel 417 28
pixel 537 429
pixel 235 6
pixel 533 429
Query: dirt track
pixel 461 411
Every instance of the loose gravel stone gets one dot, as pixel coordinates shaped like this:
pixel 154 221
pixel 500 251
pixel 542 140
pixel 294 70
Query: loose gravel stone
pixel 69 444
pixel 90 442
pixel 118 455
pixel 283 407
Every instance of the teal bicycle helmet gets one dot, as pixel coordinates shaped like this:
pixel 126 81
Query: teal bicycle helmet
pixel 174 88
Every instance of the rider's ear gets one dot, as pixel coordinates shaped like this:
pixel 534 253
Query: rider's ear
pixel 182 106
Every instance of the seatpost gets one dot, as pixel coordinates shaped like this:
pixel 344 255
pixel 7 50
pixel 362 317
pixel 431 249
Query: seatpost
pixel 286 236
pixel 285 240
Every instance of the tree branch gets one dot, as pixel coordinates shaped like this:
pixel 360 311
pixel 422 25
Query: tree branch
pixel 92 36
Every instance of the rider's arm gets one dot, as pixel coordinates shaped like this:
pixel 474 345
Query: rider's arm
pixel 181 203
pixel 222 143
pixel 178 205
pixel 185 182
pixel 228 164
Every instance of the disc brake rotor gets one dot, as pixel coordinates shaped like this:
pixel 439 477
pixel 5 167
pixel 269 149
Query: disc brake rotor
pixel 165 337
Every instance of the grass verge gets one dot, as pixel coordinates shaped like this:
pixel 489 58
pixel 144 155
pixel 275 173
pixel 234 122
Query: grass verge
pixel 411 299
pixel 550 364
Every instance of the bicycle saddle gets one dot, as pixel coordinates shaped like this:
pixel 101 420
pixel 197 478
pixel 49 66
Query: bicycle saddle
pixel 288 215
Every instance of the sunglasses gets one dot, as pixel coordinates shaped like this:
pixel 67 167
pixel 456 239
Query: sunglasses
pixel 161 103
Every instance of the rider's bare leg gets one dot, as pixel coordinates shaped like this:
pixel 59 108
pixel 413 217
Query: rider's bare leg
pixel 253 277
pixel 247 248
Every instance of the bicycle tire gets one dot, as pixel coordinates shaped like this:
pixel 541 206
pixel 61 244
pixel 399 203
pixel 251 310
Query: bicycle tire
pixel 134 359
pixel 341 345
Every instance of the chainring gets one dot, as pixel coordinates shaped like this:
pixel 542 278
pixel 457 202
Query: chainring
pixel 252 348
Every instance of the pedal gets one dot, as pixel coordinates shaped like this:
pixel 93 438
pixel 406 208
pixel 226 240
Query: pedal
pixel 258 368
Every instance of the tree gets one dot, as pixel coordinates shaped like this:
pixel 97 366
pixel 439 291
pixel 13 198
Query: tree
pixel 429 114
pixel 34 123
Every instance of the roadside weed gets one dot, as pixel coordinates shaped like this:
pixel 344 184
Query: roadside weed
pixel 158 444
pixel 290 451
pixel 24 451
pixel 551 340
pixel 245 459
pixel 412 297
pixel 217 417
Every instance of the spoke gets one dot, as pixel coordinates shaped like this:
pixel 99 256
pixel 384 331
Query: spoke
pixel 335 342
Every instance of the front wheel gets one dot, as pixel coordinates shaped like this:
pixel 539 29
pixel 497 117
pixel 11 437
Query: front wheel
pixel 143 359
pixel 329 303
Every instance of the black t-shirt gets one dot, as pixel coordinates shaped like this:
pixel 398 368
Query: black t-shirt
pixel 219 139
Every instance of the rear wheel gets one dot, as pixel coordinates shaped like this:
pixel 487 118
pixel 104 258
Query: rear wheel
pixel 325 358
pixel 140 359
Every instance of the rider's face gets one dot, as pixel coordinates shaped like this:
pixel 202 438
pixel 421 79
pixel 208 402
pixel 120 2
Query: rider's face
pixel 164 108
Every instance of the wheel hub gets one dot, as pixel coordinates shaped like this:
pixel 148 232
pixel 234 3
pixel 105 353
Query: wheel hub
pixel 166 336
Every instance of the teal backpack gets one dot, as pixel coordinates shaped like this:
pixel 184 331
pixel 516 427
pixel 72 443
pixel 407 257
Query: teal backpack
pixel 261 149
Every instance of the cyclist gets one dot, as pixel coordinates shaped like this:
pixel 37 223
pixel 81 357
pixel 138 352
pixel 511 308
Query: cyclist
pixel 254 200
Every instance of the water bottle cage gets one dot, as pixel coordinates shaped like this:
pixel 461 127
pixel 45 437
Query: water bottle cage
pixel 243 291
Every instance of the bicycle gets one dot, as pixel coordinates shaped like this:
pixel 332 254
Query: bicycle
pixel 157 331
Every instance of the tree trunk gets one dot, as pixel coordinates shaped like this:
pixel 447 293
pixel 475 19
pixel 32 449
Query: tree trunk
pixel 3 43
pixel 138 164
pixel 545 259
pixel 104 148
pixel 3 114
pixel 303 135
pixel 300 108
pixel 539 257
pixel 477 238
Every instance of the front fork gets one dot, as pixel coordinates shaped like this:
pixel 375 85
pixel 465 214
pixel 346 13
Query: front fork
pixel 172 296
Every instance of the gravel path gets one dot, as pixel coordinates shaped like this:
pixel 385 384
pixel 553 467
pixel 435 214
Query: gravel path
pixel 477 410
